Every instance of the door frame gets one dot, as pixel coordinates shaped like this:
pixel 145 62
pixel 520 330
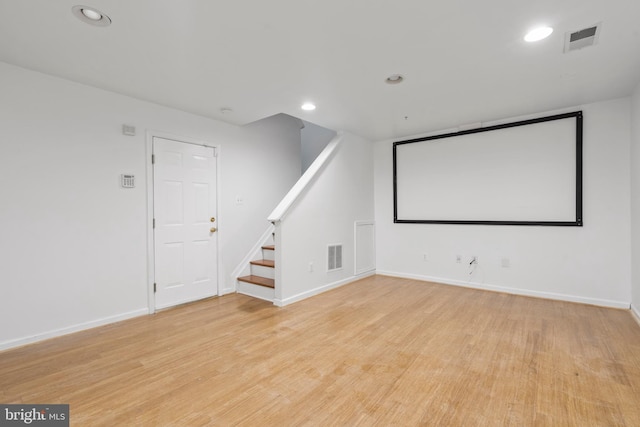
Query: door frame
pixel 151 262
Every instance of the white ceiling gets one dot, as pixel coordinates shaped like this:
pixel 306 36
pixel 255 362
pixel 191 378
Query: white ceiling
pixel 464 61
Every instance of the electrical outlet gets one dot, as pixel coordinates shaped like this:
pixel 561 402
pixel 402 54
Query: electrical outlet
pixel 311 267
pixel 506 263
pixel 424 257
pixel 458 259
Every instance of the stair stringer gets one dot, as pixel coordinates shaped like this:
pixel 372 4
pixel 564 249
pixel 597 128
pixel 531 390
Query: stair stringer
pixel 244 267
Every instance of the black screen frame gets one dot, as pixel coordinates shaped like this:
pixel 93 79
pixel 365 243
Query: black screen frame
pixel 577 222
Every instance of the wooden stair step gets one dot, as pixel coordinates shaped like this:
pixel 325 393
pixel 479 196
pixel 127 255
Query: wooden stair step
pixel 264 263
pixel 269 247
pixel 258 280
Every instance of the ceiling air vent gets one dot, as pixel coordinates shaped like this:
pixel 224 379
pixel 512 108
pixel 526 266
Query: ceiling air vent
pixel 582 38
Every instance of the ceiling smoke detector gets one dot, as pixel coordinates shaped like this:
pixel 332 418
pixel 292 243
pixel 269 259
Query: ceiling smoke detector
pixel 582 38
pixel 394 79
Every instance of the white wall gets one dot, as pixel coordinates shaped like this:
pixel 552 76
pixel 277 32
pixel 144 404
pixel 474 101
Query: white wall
pixel 588 264
pixel 314 139
pixel 325 213
pixel 635 200
pixel 74 244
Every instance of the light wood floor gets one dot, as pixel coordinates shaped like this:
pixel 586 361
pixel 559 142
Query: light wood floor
pixel 382 351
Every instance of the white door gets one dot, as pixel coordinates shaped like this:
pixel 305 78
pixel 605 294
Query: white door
pixel 185 238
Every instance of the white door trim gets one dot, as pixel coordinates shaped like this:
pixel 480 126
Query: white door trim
pixel 151 300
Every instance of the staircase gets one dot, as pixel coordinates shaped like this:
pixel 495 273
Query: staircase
pixel 260 283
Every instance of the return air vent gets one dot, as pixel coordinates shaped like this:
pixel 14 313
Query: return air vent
pixel 582 38
pixel 334 261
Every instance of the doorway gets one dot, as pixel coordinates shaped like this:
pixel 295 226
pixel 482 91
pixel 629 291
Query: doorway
pixel 185 246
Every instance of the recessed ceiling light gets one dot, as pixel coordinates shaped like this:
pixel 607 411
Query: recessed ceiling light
pixel 308 106
pixel 91 16
pixel 538 34
pixel 394 79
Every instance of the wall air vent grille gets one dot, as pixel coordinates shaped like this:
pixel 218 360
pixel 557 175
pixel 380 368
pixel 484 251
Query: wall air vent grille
pixel 334 258
pixel 582 38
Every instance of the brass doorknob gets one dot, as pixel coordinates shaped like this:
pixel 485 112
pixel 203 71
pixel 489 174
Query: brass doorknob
pixel 213 229
pixel 213 219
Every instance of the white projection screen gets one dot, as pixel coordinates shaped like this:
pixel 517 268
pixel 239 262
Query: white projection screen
pixel 521 173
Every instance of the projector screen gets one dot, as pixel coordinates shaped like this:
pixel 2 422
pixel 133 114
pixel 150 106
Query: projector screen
pixel 521 173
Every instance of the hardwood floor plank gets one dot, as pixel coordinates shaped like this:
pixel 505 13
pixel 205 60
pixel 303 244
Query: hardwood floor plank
pixel 381 351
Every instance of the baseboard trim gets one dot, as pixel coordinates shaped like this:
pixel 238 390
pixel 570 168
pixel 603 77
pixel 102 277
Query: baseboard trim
pixel 635 313
pixel 513 291
pixel 71 329
pixel 321 289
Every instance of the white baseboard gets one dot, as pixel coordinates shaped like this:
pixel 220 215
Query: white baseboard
pixel 635 313
pixel 320 289
pixel 71 329
pixel 514 291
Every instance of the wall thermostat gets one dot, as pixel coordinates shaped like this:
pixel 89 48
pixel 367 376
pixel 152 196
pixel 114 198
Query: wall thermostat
pixel 127 181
